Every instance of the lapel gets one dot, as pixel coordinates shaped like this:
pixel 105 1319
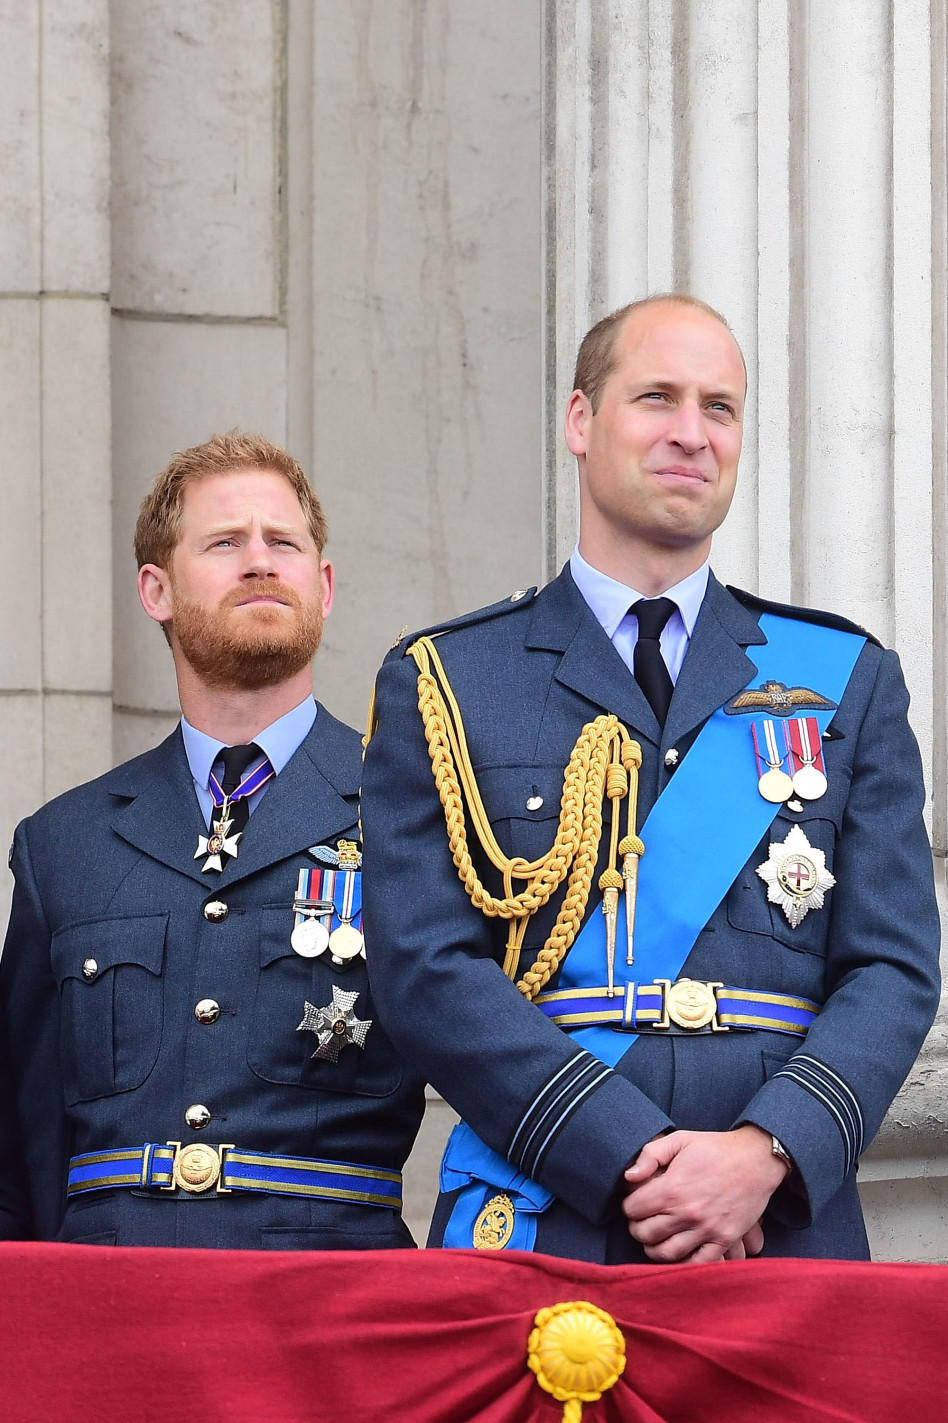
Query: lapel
pixel 302 806
pixel 716 667
pixel 563 622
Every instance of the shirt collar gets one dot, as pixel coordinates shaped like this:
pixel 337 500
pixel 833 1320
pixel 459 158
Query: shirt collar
pixel 611 600
pixel 278 741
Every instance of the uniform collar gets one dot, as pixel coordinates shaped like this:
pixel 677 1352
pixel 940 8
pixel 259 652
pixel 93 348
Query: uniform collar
pixel 278 741
pixel 611 600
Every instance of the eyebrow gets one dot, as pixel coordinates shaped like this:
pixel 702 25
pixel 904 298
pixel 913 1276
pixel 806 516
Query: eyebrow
pixel 673 385
pixel 221 531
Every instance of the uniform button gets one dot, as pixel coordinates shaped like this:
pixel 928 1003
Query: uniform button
pixel 671 757
pixel 534 802
pixel 89 969
pixel 520 593
pixel 207 1011
pixel 197 1117
pixel 216 911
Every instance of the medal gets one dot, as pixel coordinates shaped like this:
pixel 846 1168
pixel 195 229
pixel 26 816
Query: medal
pixel 218 843
pixel 325 897
pixel 336 1026
pixel 346 942
pixel 774 784
pixel 310 938
pixel 806 752
pixel 809 783
pixel 796 876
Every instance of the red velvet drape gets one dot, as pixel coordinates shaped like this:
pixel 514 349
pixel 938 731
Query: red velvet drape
pixel 98 1335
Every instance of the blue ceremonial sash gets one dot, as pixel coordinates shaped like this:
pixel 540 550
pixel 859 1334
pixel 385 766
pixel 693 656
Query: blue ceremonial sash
pixel 469 1162
pixel 714 787
pixel 712 800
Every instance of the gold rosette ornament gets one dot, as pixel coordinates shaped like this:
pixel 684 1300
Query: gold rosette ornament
pixel 577 1352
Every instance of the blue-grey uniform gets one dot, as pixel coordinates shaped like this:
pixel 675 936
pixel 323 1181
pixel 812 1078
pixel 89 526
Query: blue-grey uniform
pixel 146 1001
pixel 561 1124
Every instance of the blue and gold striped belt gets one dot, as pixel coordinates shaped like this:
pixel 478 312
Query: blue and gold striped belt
pixel 687 1006
pixel 196 1168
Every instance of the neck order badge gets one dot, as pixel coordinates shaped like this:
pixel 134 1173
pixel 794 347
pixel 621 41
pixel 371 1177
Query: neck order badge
pixel 224 838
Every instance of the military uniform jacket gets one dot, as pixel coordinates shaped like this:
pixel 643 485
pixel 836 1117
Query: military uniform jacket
pixel 528 675
pixel 107 872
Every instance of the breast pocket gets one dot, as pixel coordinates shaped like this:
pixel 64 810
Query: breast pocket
pixel 109 976
pixel 523 806
pixel 748 905
pixel 279 1052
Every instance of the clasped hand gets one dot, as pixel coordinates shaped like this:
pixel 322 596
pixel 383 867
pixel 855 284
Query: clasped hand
pixel 699 1196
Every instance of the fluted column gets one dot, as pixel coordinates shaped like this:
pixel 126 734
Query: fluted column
pixel 55 549
pixel 786 162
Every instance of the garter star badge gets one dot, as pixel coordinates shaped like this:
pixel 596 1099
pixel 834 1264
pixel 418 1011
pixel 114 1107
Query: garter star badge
pixel 335 1026
pixel 796 876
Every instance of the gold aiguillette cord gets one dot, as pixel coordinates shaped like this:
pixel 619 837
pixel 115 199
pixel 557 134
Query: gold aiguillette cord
pixel 601 761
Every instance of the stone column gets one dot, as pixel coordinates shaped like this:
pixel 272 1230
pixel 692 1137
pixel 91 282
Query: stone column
pixel 198 328
pixel 779 161
pixel 55 548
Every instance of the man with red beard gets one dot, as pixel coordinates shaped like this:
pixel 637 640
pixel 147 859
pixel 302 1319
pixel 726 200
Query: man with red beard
pixel 188 1049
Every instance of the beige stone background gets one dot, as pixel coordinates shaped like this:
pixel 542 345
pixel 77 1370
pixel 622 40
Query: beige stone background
pixel 375 230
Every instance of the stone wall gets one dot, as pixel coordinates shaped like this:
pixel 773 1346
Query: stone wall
pixel 325 222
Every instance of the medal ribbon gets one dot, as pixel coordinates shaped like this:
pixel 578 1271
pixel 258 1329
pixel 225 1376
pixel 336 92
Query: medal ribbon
pixel 248 785
pixel 772 760
pixel 343 887
pixel 309 886
pixel 805 743
pixel 347 897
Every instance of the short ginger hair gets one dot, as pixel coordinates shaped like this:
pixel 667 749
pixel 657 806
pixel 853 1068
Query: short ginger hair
pixel 597 354
pixel 158 530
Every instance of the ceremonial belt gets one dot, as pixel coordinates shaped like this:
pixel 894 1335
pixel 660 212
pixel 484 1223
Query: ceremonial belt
pixel 196 1168
pixel 688 1006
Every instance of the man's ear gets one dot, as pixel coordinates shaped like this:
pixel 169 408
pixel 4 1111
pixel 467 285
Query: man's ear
pixel 154 591
pixel 328 578
pixel 576 426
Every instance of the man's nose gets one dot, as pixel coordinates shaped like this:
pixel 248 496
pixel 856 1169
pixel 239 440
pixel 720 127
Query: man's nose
pixel 258 559
pixel 688 428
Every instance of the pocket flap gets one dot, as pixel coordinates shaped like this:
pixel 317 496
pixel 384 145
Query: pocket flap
pixel 109 942
pixel 512 792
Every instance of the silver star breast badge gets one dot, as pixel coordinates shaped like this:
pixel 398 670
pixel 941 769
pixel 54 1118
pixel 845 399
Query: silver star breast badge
pixel 335 1026
pixel 216 844
pixel 796 876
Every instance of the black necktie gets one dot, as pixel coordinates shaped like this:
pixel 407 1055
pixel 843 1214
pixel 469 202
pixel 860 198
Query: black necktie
pixel 236 759
pixel 648 664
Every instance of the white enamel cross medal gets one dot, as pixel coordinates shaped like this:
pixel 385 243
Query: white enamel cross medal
pixel 218 843
pixel 796 876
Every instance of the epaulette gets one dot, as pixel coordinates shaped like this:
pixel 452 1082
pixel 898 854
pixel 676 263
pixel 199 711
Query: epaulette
pixel 805 615
pixel 521 599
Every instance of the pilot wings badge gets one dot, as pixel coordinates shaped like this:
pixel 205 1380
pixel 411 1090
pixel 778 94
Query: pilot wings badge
pixel 778 699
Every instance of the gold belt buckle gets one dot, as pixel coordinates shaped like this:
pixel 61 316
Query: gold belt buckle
pixel 690 1004
pixel 197 1167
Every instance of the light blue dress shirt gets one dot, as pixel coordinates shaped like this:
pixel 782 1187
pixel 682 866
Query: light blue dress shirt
pixel 277 741
pixel 610 601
